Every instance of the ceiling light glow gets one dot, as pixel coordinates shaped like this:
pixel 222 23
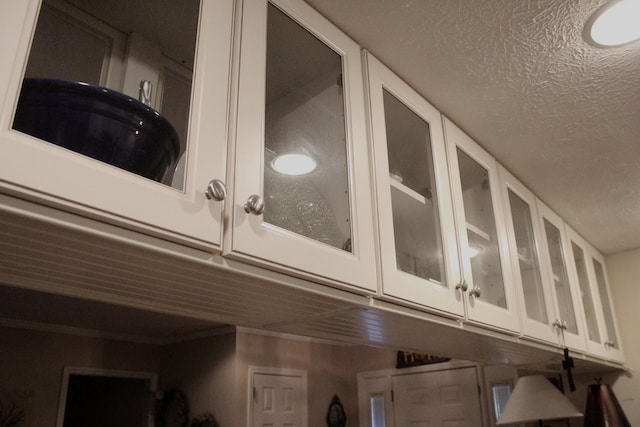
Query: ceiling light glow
pixel 616 24
pixel 293 164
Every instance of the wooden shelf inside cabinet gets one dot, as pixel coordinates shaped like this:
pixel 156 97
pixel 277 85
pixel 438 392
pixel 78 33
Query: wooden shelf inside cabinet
pixel 478 232
pixel 409 192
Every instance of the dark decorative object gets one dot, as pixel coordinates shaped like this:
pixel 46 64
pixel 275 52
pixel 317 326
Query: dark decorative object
pixel 603 408
pixel 173 410
pixel 567 364
pixel 406 359
pixel 205 420
pixel 336 416
pixel 100 123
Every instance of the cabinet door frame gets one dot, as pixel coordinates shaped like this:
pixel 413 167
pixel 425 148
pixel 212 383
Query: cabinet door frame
pixel 394 282
pixel 613 353
pixel 251 239
pixel 574 341
pixel 57 177
pixel 530 327
pixel 478 310
pixel 593 347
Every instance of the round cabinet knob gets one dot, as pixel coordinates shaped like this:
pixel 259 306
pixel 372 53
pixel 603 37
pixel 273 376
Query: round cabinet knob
pixel 216 190
pixel 475 292
pixel 462 286
pixel 255 205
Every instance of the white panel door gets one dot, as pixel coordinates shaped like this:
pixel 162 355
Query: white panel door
pixel 279 399
pixel 448 398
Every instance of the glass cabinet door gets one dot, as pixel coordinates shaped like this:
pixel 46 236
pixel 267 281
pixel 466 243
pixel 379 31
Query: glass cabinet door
pixel 568 306
pixel 414 204
pixel 609 332
pixel 524 234
pixel 481 232
pixel 580 260
pixel 302 191
pixel 107 103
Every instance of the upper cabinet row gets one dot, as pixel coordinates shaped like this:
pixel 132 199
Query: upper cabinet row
pixel 258 130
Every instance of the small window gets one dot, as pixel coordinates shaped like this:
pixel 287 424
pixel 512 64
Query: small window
pixel 376 404
pixel 501 394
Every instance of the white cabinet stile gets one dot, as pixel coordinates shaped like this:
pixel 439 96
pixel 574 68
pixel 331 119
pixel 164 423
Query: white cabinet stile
pixel 486 272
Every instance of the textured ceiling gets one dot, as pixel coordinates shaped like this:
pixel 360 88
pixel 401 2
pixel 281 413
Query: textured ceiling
pixel 519 77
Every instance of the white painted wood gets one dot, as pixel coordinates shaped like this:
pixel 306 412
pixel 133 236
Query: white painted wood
pixel 448 398
pixel 522 264
pixel 395 282
pixel 479 310
pixel 608 325
pixel 573 339
pixel 255 240
pixel 277 397
pixel 594 331
pixel 56 176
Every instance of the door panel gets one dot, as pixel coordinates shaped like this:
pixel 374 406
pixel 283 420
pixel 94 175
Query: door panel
pixel 443 398
pixel 279 399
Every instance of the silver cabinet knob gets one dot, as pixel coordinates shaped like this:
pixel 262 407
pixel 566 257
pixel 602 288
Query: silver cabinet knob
pixel 255 205
pixel 561 325
pixel 475 292
pixel 216 190
pixel 610 343
pixel 463 286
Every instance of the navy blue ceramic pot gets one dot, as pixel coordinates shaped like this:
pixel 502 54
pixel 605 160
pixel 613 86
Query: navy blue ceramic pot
pixel 100 123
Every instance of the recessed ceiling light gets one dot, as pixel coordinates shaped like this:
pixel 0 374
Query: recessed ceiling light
pixel 293 164
pixel 616 23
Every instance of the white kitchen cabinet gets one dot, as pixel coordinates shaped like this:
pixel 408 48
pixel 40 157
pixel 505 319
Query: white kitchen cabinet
pixel 524 233
pixel 582 274
pixel 608 325
pixel 487 280
pixel 418 251
pixel 301 93
pixel 188 64
pixel 556 253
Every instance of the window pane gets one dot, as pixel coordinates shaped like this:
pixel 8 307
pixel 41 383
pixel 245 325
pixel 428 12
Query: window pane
pixel 414 200
pixel 528 259
pixel 481 230
pixel 305 116
pixel 376 403
pixel 585 290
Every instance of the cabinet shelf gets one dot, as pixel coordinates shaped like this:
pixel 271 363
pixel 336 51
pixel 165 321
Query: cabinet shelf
pixel 478 232
pixel 408 191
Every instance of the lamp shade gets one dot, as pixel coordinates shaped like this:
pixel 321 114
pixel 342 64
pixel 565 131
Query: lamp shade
pixel 533 399
pixel 603 409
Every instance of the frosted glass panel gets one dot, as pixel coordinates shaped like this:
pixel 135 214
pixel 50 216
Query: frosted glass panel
pixel 606 305
pixel 560 278
pixel 376 403
pixel 585 290
pixel 528 259
pixel 305 116
pixel 414 201
pixel 481 230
